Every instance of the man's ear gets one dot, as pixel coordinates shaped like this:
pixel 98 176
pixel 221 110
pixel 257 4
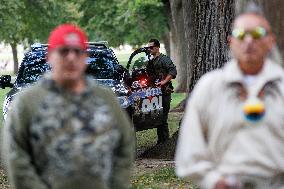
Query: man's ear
pixel 272 41
pixel 47 58
pixel 229 40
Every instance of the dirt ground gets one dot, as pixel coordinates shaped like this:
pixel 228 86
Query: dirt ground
pixel 143 166
pixel 161 151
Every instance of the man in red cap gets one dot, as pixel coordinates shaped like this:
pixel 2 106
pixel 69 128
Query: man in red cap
pixel 65 131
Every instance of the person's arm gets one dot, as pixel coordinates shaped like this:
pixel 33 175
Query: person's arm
pixel 165 81
pixel 16 149
pixel 193 158
pixel 125 152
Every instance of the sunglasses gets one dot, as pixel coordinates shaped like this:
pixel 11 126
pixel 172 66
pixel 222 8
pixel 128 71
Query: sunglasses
pixel 151 47
pixel 256 33
pixel 64 51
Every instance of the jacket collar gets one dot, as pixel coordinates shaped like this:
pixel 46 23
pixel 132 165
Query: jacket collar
pixel 49 83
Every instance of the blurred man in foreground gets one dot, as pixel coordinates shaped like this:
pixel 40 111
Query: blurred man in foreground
pixel 232 134
pixel 66 131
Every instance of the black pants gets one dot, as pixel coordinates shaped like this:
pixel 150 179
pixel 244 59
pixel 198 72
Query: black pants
pixel 163 129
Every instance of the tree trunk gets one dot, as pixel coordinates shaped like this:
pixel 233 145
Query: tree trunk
pixel 207 25
pixel 173 49
pixel 188 37
pixel 274 12
pixel 166 37
pixel 171 34
pixel 15 57
pixel 173 41
pixel 179 44
pixel 166 40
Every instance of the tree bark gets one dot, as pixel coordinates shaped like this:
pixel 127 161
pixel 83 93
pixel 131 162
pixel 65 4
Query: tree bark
pixel 179 45
pixel 207 26
pixel 15 57
pixel 166 37
pixel 166 40
pixel 171 49
pixel 188 37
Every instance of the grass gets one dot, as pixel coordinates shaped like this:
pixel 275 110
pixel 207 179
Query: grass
pixel 123 58
pixel 148 138
pixel 3 93
pixel 161 178
pixel 7 73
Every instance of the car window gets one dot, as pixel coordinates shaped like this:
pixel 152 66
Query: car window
pixel 34 65
pixel 101 64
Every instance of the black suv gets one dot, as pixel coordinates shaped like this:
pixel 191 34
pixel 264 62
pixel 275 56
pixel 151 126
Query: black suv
pixel 135 91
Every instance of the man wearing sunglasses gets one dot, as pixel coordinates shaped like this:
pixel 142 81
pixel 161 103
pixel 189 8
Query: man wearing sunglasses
pixel 163 69
pixel 232 132
pixel 66 132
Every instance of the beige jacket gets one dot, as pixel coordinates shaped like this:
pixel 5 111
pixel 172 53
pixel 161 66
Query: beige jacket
pixel 215 138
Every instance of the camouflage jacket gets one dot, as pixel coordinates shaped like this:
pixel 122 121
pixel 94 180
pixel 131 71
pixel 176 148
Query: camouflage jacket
pixel 59 140
pixel 162 66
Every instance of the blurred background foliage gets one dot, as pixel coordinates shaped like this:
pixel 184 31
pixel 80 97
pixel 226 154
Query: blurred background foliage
pixel 121 21
pixel 116 21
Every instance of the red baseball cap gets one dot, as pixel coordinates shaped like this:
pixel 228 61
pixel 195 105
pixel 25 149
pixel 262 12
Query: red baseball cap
pixel 67 35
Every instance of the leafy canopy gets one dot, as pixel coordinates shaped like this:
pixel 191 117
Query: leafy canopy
pixel 123 21
pixel 117 21
pixel 30 21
